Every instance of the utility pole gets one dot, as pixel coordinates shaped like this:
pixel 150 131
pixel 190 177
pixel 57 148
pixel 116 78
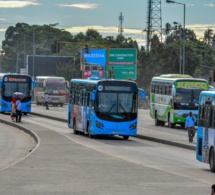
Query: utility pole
pixel 121 18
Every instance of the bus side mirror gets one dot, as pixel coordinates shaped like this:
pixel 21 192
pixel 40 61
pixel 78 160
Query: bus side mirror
pixel 142 93
pixel 67 84
pixel 93 95
pixel 33 84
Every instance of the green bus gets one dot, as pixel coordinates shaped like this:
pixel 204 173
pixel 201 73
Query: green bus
pixel 173 96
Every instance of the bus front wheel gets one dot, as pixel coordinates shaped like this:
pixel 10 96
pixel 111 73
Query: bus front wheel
pixel 157 122
pixel 74 128
pixel 88 130
pixel 211 160
pixel 125 137
pixel 171 125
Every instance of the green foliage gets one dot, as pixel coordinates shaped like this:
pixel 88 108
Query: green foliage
pixel 161 59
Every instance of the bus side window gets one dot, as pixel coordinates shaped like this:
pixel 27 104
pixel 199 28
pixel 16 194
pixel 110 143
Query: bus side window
pixel 201 115
pixel 160 90
pixel 152 88
pixel 87 98
pixel 213 117
pixel 91 101
pixel 166 90
pixel 156 89
pixel 76 97
pixel 163 90
pixel 80 102
pixel 207 116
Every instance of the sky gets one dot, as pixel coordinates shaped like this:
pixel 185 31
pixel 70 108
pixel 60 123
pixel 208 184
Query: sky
pixel 103 15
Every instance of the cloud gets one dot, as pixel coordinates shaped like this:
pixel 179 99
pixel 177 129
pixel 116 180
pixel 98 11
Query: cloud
pixel 102 29
pixel 3 29
pixel 81 6
pixel 136 34
pixel 209 5
pixel 16 4
pixel 2 19
pixel 199 29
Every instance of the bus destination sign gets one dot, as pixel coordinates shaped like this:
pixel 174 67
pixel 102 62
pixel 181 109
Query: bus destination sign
pixel 14 79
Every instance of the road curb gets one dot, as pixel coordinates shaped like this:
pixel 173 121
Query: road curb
pixel 31 133
pixel 171 143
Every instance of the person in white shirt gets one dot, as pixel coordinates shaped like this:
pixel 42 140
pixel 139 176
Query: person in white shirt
pixel 190 126
pixel 18 110
pixel 46 100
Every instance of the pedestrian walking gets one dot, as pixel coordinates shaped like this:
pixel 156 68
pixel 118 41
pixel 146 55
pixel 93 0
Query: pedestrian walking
pixel 13 109
pixel 190 126
pixel 18 110
pixel 47 100
pixel 213 189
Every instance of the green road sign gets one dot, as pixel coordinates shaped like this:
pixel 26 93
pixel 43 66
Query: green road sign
pixel 123 63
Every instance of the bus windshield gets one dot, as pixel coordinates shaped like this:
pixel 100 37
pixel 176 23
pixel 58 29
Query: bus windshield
pixel 116 105
pixel 187 98
pixel 55 86
pixel 10 88
pixel 187 95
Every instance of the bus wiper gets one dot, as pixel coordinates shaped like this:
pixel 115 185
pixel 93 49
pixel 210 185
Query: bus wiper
pixel 122 108
pixel 111 108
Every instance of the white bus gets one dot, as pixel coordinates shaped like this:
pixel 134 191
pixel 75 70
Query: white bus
pixel 173 96
pixel 56 87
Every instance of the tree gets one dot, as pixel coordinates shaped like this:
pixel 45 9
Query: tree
pixel 208 36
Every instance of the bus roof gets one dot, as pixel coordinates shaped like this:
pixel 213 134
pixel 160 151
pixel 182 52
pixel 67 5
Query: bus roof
pixel 94 81
pixel 210 93
pixel 175 76
pixel 171 78
pixel 49 77
pixel 15 74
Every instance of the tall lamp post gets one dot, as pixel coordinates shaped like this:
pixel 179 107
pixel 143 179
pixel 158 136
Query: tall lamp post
pixel 169 1
pixel 33 50
pixel 178 26
pixel 24 51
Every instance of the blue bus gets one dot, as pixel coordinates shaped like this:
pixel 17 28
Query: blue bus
pixel 10 83
pixel 104 107
pixel 205 145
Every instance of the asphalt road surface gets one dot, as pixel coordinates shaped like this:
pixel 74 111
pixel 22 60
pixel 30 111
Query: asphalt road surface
pixel 65 163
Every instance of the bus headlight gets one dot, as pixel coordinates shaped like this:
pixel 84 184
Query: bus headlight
pixel 28 106
pixel 99 125
pixel 133 126
pixel 4 105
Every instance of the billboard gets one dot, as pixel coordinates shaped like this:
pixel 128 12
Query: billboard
pixel 43 65
pixel 123 63
pixel 94 63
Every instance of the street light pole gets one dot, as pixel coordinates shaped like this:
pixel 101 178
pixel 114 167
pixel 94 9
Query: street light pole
pixel 17 57
pixel 184 34
pixel 169 1
pixel 33 50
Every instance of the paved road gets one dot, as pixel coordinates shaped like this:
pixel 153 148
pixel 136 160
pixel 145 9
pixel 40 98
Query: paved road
pixel 146 127
pixel 15 145
pixel 65 163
